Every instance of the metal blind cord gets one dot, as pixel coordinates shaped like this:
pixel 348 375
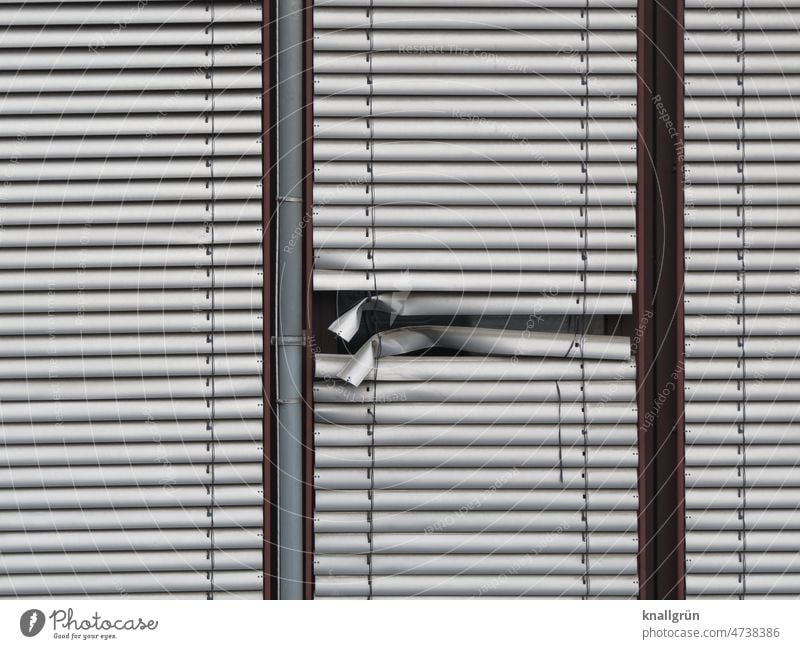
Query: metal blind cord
pixel 371 428
pixel 584 319
pixel 211 445
pixel 371 163
pixel 560 443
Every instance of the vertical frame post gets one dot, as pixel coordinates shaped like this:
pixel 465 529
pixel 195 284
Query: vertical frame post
pixel 660 351
pixel 308 298
pixel 642 338
pixel 268 197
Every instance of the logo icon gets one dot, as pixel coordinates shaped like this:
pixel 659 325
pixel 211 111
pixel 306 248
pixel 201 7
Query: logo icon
pixel 31 622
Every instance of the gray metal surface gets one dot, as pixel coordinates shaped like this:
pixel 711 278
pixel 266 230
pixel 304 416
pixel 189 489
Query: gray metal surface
pixel 130 271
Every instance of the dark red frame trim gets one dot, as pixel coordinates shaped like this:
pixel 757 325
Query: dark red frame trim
pixel 642 342
pixel 659 335
pixel 308 297
pixel 268 199
pixel 680 279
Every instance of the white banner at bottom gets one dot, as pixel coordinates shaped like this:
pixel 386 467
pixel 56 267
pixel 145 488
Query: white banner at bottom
pixel 396 624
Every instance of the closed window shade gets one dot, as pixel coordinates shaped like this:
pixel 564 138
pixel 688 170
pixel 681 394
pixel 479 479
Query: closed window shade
pixel 130 300
pixel 742 323
pixel 470 148
pixel 475 158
